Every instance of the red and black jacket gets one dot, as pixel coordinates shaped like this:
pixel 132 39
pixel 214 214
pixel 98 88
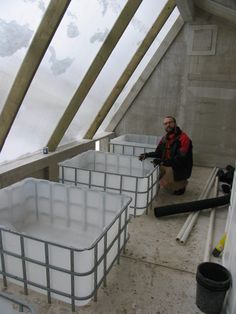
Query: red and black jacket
pixel 175 150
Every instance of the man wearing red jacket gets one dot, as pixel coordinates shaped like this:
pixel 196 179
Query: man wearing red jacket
pixel 174 155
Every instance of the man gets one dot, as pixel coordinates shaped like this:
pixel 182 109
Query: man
pixel 174 155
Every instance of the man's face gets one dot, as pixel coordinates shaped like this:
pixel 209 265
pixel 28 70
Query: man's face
pixel 169 125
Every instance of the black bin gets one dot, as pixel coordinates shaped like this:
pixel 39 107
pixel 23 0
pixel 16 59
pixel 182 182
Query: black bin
pixel 213 281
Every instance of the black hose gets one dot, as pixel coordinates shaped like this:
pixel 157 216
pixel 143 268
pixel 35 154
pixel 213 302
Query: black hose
pixel 191 206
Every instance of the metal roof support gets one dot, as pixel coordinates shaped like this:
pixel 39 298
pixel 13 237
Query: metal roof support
pixel 151 35
pixel 30 64
pixel 93 72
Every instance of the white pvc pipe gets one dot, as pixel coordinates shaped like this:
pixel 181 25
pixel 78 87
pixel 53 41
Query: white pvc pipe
pixel 196 214
pixel 182 230
pixel 207 254
pixel 189 228
pixel 210 184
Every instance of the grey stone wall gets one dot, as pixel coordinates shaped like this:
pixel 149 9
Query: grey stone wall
pixel 196 83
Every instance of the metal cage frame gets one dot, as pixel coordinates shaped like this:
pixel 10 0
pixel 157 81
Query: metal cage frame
pixel 97 261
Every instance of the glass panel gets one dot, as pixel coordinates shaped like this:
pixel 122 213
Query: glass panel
pixel 119 59
pixel 18 22
pixel 146 59
pixel 74 46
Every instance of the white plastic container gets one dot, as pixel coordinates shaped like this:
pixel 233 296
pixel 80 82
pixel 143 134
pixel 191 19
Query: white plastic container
pixel 134 144
pixel 60 237
pixel 114 173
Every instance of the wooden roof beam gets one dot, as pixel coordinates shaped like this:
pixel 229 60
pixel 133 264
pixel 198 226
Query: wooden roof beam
pixel 148 40
pixel 30 64
pixel 151 66
pixel 93 72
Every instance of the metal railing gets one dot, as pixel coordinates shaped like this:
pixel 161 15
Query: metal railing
pixel 21 303
pixel 132 148
pixel 121 238
pixel 151 188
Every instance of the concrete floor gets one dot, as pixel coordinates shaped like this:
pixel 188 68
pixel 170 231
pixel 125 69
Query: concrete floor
pixel 156 275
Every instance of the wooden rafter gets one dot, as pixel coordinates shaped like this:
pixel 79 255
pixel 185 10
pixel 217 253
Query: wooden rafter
pixel 93 72
pixel 148 40
pixel 147 72
pixel 30 64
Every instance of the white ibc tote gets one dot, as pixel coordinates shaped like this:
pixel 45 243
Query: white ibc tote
pixel 59 239
pixel 134 144
pixel 115 173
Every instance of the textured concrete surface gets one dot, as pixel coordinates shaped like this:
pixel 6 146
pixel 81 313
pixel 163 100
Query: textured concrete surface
pixel 156 275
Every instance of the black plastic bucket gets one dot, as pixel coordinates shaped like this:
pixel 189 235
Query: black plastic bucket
pixel 213 281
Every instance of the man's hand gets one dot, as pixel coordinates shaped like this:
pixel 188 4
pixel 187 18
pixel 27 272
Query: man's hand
pixel 142 156
pixel 156 161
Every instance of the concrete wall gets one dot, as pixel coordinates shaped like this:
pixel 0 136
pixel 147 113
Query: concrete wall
pixel 196 83
pixel 228 3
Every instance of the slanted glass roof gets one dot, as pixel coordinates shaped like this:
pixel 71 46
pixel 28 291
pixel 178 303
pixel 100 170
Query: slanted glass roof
pixel 120 57
pixel 72 49
pixel 18 22
pixel 81 33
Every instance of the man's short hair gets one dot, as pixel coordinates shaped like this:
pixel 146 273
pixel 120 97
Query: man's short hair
pixel 170 117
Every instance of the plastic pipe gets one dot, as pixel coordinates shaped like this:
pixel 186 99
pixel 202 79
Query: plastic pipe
pixel 194 217
pixel 194 206
pixel 207 252
pixel 196 214
pixel 206 256
pixel 182 230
